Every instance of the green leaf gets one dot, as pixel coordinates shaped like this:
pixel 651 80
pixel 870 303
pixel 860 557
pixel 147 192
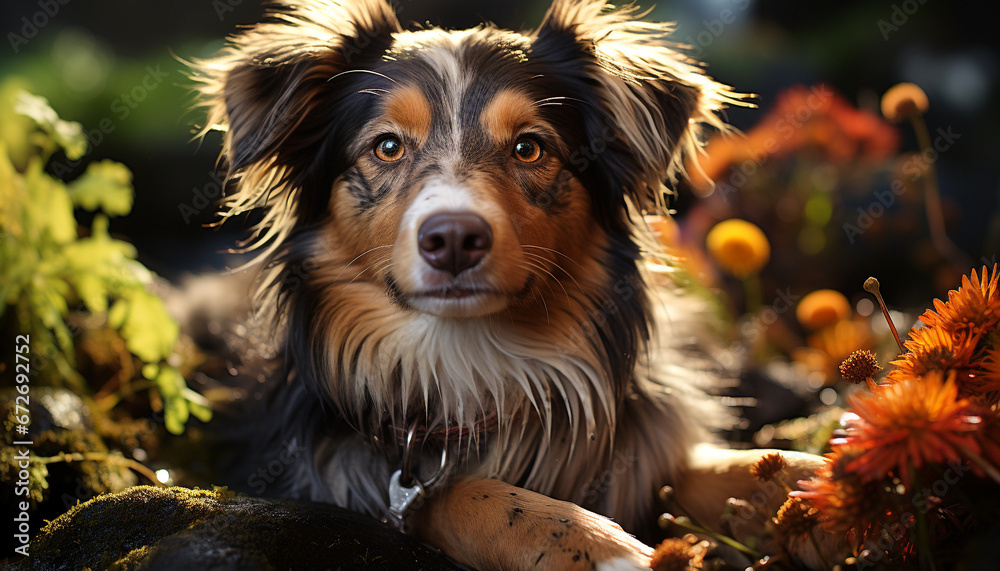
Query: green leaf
pixel 48 210
pixel 105 185
pixel 117 314
pixel 67 134
pixel 12 196
pixel 170 382
pixel 202 413
pixel 92 290
pixel 150 371
pixel 175 415
pixel 149 331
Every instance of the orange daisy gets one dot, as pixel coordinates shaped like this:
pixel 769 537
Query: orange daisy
pixel 911 423
pixel 973 307
pixel 843 500
pixel 986 381
pixel 934 349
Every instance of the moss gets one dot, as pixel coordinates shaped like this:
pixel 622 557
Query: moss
pixel 152 528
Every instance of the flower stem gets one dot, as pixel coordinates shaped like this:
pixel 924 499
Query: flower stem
pixel 926 552
pixel 932 198
pixel 752 293
pixel 688 524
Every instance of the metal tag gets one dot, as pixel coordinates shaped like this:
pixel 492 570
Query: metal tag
pixel 402 499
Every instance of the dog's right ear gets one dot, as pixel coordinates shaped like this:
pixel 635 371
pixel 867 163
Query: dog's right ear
pixel 271 92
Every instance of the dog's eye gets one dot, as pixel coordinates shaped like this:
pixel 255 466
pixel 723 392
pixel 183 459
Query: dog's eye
pixel 389 148
pixel 527 150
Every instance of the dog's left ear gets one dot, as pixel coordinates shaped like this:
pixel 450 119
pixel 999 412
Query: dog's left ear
pixel 641 97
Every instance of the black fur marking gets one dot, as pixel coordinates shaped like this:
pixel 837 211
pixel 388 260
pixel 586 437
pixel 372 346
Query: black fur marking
pixel 395 293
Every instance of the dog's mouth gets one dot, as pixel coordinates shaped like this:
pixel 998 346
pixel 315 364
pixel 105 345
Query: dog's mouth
pixel 455 291
pixel 456 299
pixel 476 430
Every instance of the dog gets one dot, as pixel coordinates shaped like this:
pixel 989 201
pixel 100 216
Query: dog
pixel 453 256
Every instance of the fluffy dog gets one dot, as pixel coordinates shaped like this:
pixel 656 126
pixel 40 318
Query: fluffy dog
pixel 451 256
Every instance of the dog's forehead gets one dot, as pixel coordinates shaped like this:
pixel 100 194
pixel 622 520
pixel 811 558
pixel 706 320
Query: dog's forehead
pixel 459 74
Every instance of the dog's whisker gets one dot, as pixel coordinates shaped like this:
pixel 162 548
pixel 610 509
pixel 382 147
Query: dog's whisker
pixel 557 101
pixel 530 264
pixel 358 257
pixel 382 75
pixel 376 267
pixel 557 266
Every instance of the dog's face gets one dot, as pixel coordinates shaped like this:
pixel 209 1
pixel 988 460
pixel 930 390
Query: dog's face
pixel 457 197
pixel 456 191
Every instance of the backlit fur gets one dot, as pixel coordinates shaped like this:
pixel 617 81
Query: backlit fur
pixel 554 332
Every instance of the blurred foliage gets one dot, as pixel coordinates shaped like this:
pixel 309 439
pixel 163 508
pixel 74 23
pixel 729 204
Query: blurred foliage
pixel 53 267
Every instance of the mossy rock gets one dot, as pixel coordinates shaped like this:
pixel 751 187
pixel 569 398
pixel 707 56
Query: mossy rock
pixel 152 528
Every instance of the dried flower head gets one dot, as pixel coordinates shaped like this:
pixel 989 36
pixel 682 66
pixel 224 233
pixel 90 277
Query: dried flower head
pixel 902 101
pixel 795 518
pixel 680 554
pixel 739 247
pixel 822 307
pixel 860 366
pixel 766 468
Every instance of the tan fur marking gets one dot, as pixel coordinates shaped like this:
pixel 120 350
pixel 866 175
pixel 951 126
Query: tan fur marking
pixel 492 525
pixel 509 111
pixel 408 108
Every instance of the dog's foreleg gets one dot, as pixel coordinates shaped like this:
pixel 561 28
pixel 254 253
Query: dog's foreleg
pixel 492 525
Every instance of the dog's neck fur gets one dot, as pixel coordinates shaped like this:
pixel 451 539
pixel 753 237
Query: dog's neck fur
pixel 384 367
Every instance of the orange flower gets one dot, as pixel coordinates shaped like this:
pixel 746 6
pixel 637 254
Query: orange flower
pixel 822 307
pixel 909 424
pixel 814 117
pixel 739 247
pixel 975 306
pixel 843 499
pixel 987 380
pixel 903 100
pixel 934 349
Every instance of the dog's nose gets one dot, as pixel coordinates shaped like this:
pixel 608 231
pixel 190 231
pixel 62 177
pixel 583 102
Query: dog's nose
pixel 454 241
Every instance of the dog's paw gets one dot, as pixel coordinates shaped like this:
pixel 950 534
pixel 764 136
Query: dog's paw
pixel 488 524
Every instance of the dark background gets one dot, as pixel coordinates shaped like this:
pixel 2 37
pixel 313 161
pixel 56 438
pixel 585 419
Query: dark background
pixel 90 54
